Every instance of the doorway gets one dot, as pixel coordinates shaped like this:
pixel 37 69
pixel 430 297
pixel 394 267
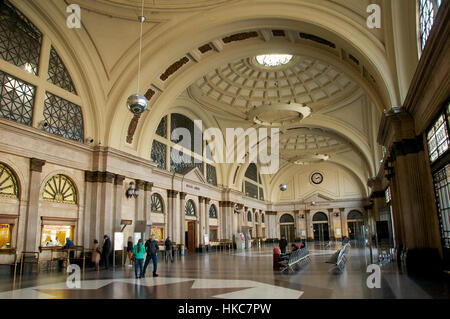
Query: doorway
pixel 190 237
pixel 321 232
pixel 288 231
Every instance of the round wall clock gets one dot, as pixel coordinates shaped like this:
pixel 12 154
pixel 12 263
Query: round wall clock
pixel 317 178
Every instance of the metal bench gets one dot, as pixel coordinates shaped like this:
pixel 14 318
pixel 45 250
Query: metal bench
pixel 29 257
pixel 295 258
pixel 341 259
pixel 11 252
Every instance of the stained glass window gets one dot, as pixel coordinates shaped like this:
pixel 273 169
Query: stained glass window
pixel 20 40
pixel 251 190
pixel 437 137
pixel 252 172
pixel 162 127
pixel 58 74
pixel 213 212
pixel 60 189
pixel 156 205
pixel 8 182
pixel 16 99
pixel 190 208
pixel 427 13
pixel 442 192
pixel 211 175
pixel 64 118
pixel 158 155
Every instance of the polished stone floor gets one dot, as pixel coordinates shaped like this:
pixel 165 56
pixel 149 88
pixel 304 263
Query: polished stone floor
pixel 235 275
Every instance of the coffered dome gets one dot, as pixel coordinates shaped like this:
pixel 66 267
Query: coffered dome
pixel 246 84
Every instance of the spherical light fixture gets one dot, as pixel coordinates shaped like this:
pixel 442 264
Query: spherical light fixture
pixel 137 104
pixel 283 187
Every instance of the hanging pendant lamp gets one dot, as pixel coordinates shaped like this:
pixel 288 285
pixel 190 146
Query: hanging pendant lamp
pixel 137 103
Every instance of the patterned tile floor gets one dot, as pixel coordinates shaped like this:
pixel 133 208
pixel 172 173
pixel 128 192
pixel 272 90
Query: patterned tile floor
pixel 233 275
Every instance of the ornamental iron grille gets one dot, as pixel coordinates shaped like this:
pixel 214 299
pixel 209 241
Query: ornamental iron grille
pixel 286 219
pixel 320 217
pixel 442 191
pixel 159 152
pixel 8 182
pixel 20 40
pixel 162 127
pixel 190 208
pixel 16 99
pixel 156 205
pixel 58 74
pixel 354 214
pixel 179 161
pixel 437 137
pixel 60 189
pixel 249 216
pixel 213 212
pixel 427 13
pixel 63 118
pixel 211 174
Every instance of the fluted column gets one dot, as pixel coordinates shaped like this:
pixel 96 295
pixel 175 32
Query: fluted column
pixel 309 231
pixel 118 195
pixel 172 214
pixel 343 215
pixel 32 222
pixel 207 201
pixel 182 218
pixel 147 202
pixel 331 223
pixel 139 208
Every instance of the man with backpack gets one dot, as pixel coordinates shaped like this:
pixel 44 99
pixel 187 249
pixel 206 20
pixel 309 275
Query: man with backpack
pixel 152 248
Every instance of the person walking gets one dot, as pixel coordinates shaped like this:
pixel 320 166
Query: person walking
pixel 139 252
pixel 169 252
pixel 283 244
pixel 130 251
pixel 106 250
pixel 96 253
pixel 152 249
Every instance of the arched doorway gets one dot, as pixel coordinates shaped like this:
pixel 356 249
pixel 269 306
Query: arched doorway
pixel 190 226
pixel 355 223
pixel 320 224
pixel 287 227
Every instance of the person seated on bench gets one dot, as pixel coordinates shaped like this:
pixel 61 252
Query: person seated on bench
pixel 302 245
pixel 69 245
pixel 294 247
pixel 283 244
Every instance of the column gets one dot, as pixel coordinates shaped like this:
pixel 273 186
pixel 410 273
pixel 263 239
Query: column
pixel 118 191
pixel 343 215
pixel 106 212
pixel 297 224
pixel 206 203
pixel 309 230
pixel 139 208
pixel 172 214
pixel 147 202
pixel 331 223
pixel 201 221
pixel 415 213
pixel 32 236
pixel 182 218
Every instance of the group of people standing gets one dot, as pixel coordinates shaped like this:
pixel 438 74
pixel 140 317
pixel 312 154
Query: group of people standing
pixel 101 254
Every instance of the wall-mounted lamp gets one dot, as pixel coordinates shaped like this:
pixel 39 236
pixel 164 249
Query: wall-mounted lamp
pixel 302 216
pixel 336 214
pixel 313 203
pixel 132 191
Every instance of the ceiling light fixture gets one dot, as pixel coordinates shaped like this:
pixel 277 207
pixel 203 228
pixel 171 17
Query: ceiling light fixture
pixel 273 60
pixel 137 103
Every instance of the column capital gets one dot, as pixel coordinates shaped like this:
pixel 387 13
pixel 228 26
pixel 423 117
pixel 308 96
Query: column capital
pixel 296 212
pixel 183 195
pixel 140 184
pixel 119 180
pixel 342 210
pixel 171 193
pixel 36 165
pixel 148 186
pixel 201 199
pixel 270 212
pixel 207 200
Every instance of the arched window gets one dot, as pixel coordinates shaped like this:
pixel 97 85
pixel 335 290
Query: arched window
pixel 8 182
pixel 249 216
pixel 190 208
pixel 354 214
pixel 427 13
pixel 156 204
pixel 252 183
pixel 286 218
pixel 320 217
pixel 213 212
pixel 60 189
pixel 177 155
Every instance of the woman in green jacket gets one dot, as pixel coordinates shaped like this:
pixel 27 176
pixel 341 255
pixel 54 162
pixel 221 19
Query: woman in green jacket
pixel 138 252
